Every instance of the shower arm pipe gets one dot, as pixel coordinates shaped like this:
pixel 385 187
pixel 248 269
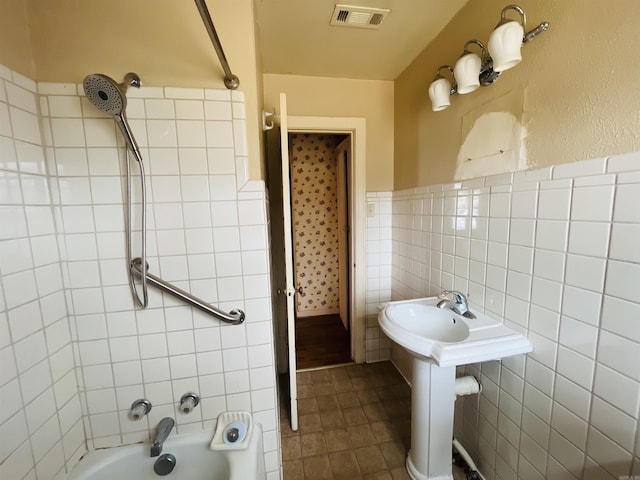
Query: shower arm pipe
pixel 234 317
pixel 230 80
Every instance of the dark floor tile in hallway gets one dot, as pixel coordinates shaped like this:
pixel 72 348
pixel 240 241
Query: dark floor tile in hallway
pixel 321 341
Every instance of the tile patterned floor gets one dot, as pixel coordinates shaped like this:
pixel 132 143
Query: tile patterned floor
pixel 354 423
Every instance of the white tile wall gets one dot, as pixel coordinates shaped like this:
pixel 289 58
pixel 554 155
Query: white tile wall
pixel 40 416
pixel 378 346
pixel 553 254
pixel 74 308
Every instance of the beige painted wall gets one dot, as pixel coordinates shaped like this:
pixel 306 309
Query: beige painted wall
pixel 164 41
pixel 580 81
pixel 338 97
pixel 15 43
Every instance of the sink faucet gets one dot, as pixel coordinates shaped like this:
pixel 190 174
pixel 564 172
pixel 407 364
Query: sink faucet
pixel 459 306
pixel 162 432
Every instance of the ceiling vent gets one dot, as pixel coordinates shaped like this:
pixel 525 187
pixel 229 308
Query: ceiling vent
pixel 359 17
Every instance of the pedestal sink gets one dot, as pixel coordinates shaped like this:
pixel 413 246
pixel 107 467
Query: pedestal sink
pixel 439 340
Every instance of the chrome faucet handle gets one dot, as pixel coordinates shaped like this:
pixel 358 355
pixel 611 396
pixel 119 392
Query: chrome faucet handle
pixel 460 297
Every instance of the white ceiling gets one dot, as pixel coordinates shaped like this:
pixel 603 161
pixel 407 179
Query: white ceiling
pixel 295 37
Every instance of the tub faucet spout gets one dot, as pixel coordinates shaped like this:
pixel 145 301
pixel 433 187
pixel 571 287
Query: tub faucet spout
pixel 162 432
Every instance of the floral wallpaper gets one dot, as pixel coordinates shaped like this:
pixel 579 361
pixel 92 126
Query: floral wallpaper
pixel 315 222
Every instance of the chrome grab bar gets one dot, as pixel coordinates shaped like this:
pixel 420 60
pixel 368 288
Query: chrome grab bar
pixel 230 80
pixel 234 317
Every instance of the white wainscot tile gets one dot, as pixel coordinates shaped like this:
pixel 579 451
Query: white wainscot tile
pixel 166 188
pixel 546 293
pixel 549 265
pixel 624 162
pixel 622 280
pixel 575 367
pixel 572 396
pixel 569 425
pixel 15 255
pixel 618 390
pixel 621 317
pixel 193 161
pixel 625 239
pixel 608 454
pixel 543 321
pixel 537 402
pixel 519 285
pixel 189 109
pixel 106 190
pixel 21 98
pixel 219 134
pixel 592 203
pixel 31 157
pixel 103 161
pixel 539 376
pixel 620 354
pixel 626 205
pixel 522 232
pixel 27 127
pixel 164 161
pixel 19 288
pixel 100 132
pixel 589 238
pixel 581 168
pixel 578 336
pixel 35 189
pixel 159 108
pixel 554 204
pixel 524 204
pixel 567 454
pixel 194 188
pixel 521 259
pixel 552 235
pixel 544 350
pixel 585 272
pixel 615 424
pixel 581 304
pixel 162 133
pixel 191 133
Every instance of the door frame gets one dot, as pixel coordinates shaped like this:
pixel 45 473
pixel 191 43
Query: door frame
pixel 356 128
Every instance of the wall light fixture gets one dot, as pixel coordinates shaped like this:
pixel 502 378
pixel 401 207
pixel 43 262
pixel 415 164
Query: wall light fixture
pixel 472 70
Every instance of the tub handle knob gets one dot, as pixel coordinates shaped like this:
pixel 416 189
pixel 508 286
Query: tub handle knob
pixel 188 402
pixel 139 409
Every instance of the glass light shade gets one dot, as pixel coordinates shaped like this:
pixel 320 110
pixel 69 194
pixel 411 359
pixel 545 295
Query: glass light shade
pixel 439 93
pixel 467 72
pixel 504 45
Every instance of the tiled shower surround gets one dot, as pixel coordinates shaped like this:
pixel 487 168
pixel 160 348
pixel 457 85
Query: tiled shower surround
pixel 74 352
pixel 555 254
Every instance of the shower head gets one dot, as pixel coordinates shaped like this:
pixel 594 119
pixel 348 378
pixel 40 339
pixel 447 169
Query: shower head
pixel 106 94
pixel 111 98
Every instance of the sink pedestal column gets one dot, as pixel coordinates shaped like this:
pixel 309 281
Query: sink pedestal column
pixel 433 393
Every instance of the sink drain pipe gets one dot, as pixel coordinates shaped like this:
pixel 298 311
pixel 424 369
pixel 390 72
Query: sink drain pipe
pixel 468 385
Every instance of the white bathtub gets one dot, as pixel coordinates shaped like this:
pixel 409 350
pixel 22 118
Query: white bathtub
pixel 194 461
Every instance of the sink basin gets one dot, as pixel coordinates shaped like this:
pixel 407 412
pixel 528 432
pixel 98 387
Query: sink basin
pixel 446 337
pixel 428 321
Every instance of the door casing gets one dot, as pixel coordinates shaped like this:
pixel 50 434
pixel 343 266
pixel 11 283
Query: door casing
pixel 356 128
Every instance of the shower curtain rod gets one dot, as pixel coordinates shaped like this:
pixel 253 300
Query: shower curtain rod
pixel 230 80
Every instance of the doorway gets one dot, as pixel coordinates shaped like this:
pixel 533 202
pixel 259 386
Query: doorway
pixel 319 174
pixel 284 289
